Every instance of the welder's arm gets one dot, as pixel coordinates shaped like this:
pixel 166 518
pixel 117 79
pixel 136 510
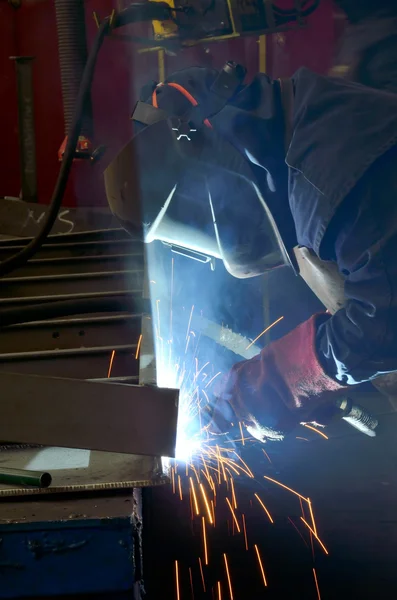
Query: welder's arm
pixel 359 342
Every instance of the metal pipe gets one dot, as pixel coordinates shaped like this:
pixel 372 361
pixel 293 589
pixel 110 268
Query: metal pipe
pixel 24 477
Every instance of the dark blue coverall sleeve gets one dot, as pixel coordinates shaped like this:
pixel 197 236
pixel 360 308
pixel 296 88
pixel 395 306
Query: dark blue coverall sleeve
pixel 359 342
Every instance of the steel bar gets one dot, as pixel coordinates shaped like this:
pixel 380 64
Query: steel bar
pixel 79 414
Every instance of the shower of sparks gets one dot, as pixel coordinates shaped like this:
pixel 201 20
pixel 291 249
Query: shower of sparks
pixel 177 580
pixel 111 363
pixel 207 506
pixel 212 378
pixel 205 542
pixel 264 331
pixel 260 564
pixel 312 516
pixel 228 577
pixel 264 508
pixel 180 487
pixel 316 430
pixel 316 582
pixel 219 591
pixel 242 434
pixel 196 507
pixel 202 574
pixel 285 487
pixel 138 347
pixel 315 535
pixel 233 493
pixel 245 532
pixel 233 515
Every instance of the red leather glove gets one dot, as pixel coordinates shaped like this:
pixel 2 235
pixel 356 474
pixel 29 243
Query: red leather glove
pixel 277 389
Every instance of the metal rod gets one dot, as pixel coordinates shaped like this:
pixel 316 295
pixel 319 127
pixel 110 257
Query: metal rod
pixel 25 477
pixel 66 352
pixel 27 138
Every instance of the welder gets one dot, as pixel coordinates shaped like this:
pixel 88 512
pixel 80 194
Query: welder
pixel 368 48
pixel 245 173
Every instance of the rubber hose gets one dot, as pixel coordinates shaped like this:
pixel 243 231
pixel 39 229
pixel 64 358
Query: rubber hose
pixel 72 47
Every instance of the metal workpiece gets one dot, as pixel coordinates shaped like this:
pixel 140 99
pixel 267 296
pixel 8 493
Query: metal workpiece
pixel 78 414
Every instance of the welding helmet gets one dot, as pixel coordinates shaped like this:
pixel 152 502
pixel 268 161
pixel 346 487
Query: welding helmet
pixel 188 185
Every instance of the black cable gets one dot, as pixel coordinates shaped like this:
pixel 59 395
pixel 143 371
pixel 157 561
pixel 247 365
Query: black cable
pixel 67 308
pixel 27 252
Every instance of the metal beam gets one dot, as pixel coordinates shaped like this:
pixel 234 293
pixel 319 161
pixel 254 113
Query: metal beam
pixel 80 414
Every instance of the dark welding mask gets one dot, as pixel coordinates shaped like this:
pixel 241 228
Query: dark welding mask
pixel 193 190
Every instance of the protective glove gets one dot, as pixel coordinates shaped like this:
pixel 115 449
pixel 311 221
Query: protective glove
pixel 274 391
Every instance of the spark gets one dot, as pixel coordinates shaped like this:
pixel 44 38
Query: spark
pixel 206 396
pixel 264 331
pixel 187 344
pixel 202 574
pixel 316 430
pixel 260 564
pixel 158 317
pixel 242 434
pixel 177 580
pixel 180 487
pixel 191 581
pixel 312 515
pixel 245 532
pixel 245 464
pixel 205 542
pixel 219 591
pixel 264 508
pixel 267 456
pixel 286 487
pixel 111 362
pixel 138 347
pixel 152 281
pixel 233 493
pixel 228 577
pixel 203 367
pixel 190 320
pixel 293 524
pixel 301 438
pixel 233 515
pixel 213 511
pixel 212 378
pixel 196 507
pixel 187 469
pixel 195 472
pixel 205 466
pixel 206 504
pixel 315 535
pixel 173 479
pixel 316 582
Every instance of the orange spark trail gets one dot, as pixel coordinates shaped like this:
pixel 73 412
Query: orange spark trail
pixel 219 591
pixel 195 472
pixel 245 533
pixel 264 508
pixel 316 430
pixel 180 487
pixel 316 582
pixel 212 379
pixel 233 493
pixel 266 454
pixel 177 580
pixel 138 347
pixel 191 582
pixel 205 542
pixel 264 331
pixel 312 516
pixel 244 463
pixel 260 564
pixel 286 487
pixel 233 515
pixel 207 506
pixel 196 507
pixel 173 479
pixel 213 511
pixel 228 577
pixel 111 362
pixel 202 574
pixel 242 434
pixel 293 524
pixel 316 536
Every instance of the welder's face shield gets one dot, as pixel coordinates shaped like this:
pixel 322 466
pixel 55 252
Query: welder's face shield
pixel 194 191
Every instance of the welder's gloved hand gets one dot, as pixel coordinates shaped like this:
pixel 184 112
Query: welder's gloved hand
pixel 274 391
